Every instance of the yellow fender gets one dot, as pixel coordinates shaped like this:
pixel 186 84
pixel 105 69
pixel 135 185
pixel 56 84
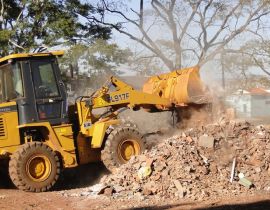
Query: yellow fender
pixel 98 131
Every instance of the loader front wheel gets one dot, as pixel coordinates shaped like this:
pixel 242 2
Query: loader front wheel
pixel 34 167
pixel 120 146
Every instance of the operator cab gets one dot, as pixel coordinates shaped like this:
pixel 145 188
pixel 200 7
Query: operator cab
pixel 33 81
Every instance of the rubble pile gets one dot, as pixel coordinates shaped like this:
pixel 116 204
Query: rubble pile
pixel 198 163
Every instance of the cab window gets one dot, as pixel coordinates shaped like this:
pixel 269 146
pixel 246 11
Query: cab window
pixel 11 86
pixel 44 80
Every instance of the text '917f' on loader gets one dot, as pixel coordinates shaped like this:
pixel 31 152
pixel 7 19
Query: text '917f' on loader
pixel 40 135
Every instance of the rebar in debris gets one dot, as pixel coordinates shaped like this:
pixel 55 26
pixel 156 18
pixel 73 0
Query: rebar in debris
pixel 233 169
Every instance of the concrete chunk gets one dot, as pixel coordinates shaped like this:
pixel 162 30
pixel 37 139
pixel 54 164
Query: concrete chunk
pixel 180 189
pixel 206 141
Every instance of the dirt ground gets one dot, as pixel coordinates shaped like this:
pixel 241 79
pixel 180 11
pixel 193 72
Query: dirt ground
pixel 14 199
pixel 66 195
pixel 73 181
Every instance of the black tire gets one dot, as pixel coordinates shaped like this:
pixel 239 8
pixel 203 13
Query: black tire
pixel 119 138
pixel 34 167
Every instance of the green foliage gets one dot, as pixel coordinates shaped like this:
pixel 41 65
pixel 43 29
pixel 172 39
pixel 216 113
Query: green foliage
pixel 25 25
pixel 4 37
pixel 98 58
pixel 104 56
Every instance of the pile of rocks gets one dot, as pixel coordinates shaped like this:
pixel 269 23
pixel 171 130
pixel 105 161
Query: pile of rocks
pixel 198 163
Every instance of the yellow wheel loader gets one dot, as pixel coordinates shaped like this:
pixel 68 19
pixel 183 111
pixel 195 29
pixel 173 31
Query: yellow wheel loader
pixel 40 134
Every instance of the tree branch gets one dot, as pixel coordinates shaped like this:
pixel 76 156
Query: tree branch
pixel 152 47
pixel 261 66
pixel 194 10
pixel 222 27
pixel 16 45
pixel 231 36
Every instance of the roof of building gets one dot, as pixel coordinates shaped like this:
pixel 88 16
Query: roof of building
pixel 253 91
pixel 27 55
pixel 259 91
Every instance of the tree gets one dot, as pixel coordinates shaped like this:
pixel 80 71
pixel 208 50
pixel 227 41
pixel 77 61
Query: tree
pixel 198 29
pixel 90 66
pixel 252 55
pixel 28 24
pixel 100 57
pixel 249 63
pixel 259 52
pixel 237 65
pixel 145 65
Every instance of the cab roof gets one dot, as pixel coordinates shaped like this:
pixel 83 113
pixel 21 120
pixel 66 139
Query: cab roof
pixel 28 55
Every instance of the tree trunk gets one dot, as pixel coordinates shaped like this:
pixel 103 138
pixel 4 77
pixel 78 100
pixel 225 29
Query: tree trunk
pixel 71 69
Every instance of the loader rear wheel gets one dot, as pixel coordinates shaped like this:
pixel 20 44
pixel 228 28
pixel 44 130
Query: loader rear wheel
pixel 120 146
pixel 34 167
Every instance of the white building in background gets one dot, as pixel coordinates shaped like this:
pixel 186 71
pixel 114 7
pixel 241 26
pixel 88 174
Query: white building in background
pixel 254 103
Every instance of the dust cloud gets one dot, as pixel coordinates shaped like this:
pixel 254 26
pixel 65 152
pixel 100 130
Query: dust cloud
pixel 159 126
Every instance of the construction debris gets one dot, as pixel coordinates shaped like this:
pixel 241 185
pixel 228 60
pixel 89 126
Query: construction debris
pixel 233 170
pixel 206 141
pixel 181 167
pixel 144 172
pixel 244 181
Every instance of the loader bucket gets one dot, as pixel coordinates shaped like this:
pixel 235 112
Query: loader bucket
pixel 181 87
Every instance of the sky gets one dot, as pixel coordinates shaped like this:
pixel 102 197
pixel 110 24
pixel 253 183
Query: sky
pixel 210 71
pixel 124 41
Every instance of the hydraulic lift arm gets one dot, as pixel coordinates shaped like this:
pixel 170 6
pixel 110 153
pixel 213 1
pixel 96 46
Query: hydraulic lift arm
pixel 117 95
